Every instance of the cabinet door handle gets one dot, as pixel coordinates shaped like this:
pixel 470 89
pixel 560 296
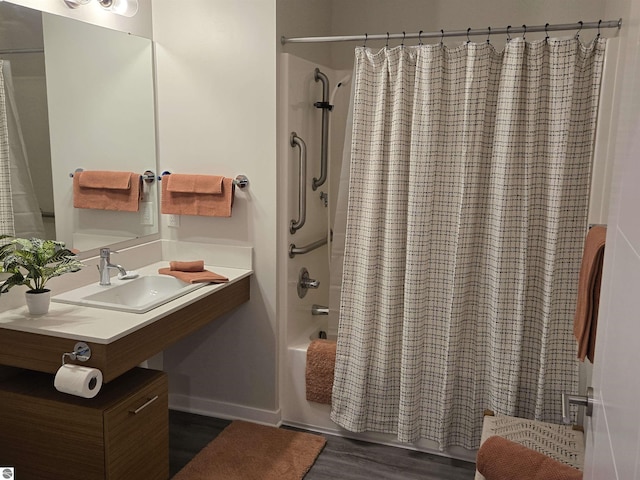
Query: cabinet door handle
pixel 144 405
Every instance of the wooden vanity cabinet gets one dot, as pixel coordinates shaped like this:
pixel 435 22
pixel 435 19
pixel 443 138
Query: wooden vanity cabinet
pixel 122 433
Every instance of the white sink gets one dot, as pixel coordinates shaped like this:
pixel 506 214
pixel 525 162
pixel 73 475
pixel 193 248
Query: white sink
pixel 137 296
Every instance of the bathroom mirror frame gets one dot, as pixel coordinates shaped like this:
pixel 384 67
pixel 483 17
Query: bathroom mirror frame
pixel 79 134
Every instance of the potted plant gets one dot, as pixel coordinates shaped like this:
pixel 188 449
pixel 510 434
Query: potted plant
pixel 32 262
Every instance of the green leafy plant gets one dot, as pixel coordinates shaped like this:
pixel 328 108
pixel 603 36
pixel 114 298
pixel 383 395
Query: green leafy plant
pixel 32 262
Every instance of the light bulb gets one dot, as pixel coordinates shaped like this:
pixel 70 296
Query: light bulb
pixel 127 8
pixel 75 3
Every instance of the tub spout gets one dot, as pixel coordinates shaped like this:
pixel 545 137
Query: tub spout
pixel 319 310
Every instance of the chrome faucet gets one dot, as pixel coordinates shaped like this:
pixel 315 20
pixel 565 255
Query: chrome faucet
pixel 105 265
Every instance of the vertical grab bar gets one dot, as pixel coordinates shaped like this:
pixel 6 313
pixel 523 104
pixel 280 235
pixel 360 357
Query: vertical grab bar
pixel 326 108
pixel 295 225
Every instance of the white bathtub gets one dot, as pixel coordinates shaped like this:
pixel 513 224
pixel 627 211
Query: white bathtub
pixel 296 410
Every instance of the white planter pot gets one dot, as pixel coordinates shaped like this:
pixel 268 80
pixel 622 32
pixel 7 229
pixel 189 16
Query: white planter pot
pixel 38 302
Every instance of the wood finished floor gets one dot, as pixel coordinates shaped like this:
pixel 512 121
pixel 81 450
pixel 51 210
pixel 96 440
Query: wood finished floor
pixel 342 458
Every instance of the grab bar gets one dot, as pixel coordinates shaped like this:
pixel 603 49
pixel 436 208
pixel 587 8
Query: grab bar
pixel 293 250
pixel 326 108
pixel 302 190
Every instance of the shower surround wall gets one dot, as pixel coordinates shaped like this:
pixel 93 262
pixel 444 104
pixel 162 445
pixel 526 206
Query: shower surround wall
pixel 298 93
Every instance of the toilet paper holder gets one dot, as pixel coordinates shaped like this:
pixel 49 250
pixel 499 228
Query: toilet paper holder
pixel 81 352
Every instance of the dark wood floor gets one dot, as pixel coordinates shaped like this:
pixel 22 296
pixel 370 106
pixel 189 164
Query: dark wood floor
pixel 341 458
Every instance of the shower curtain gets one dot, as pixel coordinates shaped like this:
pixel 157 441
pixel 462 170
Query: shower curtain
pixel 6 203
pixel 467 208
pixel 26 212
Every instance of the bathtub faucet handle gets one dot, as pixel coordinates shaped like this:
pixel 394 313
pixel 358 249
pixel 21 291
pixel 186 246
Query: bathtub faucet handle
pixel 311 283
pixel 305 282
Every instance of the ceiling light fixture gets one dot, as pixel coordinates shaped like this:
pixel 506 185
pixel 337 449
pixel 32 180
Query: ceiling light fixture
pixel 76 3
pixel 127 8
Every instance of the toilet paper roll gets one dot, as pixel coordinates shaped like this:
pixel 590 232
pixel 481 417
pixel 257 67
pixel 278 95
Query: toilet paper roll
pixel 78 380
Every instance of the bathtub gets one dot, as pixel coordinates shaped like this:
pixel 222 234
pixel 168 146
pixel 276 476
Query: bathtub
pixel 297 411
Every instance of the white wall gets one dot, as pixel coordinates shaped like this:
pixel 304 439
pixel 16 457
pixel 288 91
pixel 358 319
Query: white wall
pixel 356 17
pixel 216 79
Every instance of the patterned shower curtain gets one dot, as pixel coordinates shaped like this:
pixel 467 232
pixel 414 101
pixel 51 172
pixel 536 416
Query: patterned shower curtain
pixel 6 203
pixel 469 183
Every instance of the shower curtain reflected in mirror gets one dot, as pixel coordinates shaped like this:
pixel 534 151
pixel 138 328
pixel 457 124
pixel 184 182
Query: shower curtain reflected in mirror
pixel 24 210
pixel 467 208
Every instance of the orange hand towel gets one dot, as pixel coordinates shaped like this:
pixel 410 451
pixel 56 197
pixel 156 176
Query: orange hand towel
pixel 197 203
pixel 204 276
pixel 194 266
pixel 194 183
pixel 103 190
pixel 502 459
pixel 585 321
pixel 321 362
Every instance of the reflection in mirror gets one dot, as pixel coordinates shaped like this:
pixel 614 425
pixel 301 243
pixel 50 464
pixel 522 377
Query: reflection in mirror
pixel 84 98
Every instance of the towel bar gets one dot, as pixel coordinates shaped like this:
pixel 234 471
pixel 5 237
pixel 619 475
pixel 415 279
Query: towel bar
pixel 148 176
pixel 241 181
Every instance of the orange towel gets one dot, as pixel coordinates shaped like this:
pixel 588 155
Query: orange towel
pixel 502 459
pixel 204 276
pixel 104 190
pixel 209 204
pixel 585 322
pixel 194 266
pixel 194 183
pixel 321 362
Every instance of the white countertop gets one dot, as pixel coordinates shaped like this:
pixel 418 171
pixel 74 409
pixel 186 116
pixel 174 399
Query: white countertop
pixel 98 325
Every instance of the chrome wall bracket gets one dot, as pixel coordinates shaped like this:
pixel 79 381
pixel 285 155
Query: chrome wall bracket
pixel 81 352
pixel 582 400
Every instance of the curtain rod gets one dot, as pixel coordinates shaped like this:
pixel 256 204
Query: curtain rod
pixel 457 33
pixel 22 50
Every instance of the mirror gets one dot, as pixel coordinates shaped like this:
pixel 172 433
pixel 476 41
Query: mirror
pixel 84 97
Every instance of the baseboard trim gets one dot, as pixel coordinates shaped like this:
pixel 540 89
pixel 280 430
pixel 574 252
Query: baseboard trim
pixel 224 410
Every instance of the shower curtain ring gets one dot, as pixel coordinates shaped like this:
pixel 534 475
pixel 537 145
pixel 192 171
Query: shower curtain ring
pixel 420 37
pixel 546 32
pixel 366 37
pixel 468 39
pixel 524 35
pixel 508 34
pixel 387 45
pixel 489 36
pixel 441 37
pixel 403 37
pixel 599 22
pixel 579 29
